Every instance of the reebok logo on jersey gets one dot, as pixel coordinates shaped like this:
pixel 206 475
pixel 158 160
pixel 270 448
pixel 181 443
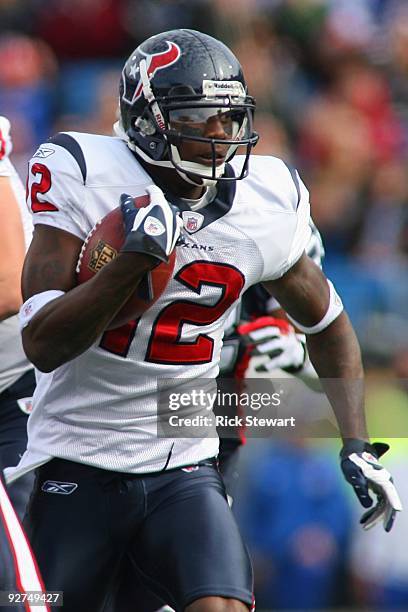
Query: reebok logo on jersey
pixel 43 152
pixel 153 227
pixel 61 488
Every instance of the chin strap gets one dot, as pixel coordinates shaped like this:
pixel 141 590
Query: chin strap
pixel 202 182
pixel 187 166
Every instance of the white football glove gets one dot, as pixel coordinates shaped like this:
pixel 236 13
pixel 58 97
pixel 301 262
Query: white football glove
pixel 361 468
pixel 276 339
pixel 5 139
pixel 153 230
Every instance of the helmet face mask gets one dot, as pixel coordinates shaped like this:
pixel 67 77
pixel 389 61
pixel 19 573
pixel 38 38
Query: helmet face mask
pixel 175 88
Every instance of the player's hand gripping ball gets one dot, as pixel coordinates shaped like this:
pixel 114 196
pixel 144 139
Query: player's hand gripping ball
pixel 102 245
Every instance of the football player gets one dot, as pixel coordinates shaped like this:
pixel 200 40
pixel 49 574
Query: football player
pixel 17 380
pixel 108 484
pixel 248 332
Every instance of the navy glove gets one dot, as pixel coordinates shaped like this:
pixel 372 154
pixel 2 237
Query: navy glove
pixel 361 468
pixel 153 230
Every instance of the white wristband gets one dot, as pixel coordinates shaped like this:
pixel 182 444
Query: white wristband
pixel 334 309
pixel 30 308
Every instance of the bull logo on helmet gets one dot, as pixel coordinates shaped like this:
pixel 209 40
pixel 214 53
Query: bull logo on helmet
pixel 155 62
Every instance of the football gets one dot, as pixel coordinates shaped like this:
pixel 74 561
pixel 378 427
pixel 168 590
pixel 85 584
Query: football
pixel 102 244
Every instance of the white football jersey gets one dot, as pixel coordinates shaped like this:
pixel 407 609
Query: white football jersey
pixel 13 362
pixel 101 408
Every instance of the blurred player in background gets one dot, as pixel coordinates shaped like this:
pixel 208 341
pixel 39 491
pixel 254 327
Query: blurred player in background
pixel 107 484
pixel 258 328
pixel 17 380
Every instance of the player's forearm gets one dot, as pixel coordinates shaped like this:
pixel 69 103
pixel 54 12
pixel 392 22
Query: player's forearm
pixel 70 324
pixel 335 354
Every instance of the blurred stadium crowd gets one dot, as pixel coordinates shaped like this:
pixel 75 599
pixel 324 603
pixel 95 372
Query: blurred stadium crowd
pixel 331 82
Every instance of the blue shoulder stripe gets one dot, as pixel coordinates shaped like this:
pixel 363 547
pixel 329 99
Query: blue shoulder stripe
pixel 295 178
pixel 72 146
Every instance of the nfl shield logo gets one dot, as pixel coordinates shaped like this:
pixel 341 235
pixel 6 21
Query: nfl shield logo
pixel 191 224
pixel 25 404
pixel 192 221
